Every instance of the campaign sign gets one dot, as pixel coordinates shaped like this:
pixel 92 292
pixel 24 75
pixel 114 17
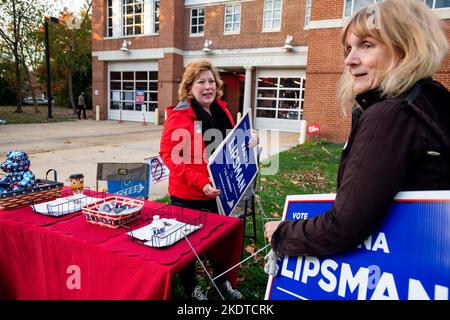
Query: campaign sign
pixel 407 258
pixel 128 188
pixel 313 128
pixel 233 166
pixel 158 171
pixel 140 97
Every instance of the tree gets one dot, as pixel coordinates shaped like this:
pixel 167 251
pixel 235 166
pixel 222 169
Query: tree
pixel 32 55
pixel 17 19
pixel 6 81
pixel 71 51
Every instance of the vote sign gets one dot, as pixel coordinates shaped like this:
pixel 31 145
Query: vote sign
pixel 233 166
pixel 407 258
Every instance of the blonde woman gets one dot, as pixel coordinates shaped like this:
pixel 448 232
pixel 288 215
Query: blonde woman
pixel 400 139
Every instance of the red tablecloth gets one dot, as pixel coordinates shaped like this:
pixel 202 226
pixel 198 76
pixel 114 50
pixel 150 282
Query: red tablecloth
pixel 71 259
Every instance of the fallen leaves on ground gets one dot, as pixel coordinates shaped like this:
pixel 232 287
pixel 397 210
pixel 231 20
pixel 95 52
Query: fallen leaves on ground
pixel 306 180
pixel 250 249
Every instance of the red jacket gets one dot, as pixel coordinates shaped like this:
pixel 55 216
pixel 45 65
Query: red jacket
pixel 182 150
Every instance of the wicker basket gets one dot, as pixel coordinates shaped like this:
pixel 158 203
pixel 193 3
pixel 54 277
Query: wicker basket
pixel 113 220
pixel 44 191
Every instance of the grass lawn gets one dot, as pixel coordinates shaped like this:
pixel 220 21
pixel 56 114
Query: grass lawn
pixel 306 169
pixel 29 114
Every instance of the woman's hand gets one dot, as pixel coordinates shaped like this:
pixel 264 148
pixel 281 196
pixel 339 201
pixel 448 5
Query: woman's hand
pixel 254 139
pixel 269 229
pixel 210 191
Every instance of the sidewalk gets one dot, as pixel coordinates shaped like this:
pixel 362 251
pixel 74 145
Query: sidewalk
pixel 77 147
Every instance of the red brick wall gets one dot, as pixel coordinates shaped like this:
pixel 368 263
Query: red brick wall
pixel 100 83
pixel 98 24
pixel 170 73
pixel 251 35
pixel 323 71
pixel 443 73
pixel 171 24
pixel 327 9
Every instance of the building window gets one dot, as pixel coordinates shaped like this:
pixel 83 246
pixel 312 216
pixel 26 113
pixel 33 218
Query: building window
pixel 197 21
pixel 156 16
pixel 133 17
pixel 352 6
pixel 232 23
pixel 272 15
pixel 308 13
pixel 133 90
pixel 280 98
pixel 109 18
pixel 438 4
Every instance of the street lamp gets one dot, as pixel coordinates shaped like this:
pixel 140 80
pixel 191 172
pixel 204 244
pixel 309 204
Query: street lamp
pixel 47 63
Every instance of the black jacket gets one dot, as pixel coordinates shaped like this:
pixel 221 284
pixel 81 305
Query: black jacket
pixel 397 145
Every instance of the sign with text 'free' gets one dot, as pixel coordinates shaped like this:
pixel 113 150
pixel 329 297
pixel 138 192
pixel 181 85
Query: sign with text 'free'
pixel 407 258
pixel 233 166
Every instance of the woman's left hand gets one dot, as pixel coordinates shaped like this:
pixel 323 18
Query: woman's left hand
pixel 210 191
pixel 269 229
pixel 254 139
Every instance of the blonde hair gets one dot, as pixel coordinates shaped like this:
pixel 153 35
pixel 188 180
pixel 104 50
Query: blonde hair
pixel 193 70
pixel 411 30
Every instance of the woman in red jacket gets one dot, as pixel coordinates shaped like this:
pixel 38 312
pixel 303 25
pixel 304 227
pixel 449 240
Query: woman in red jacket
pixel 185 147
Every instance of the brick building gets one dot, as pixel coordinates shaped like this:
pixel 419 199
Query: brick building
pixel 264 49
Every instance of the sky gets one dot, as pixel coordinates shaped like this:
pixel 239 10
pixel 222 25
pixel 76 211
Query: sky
pixel 72 5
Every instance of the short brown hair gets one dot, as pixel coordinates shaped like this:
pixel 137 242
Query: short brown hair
pixel 193 69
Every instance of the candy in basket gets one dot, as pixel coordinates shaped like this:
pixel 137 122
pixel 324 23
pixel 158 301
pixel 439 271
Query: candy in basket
pixel 68 202
pixel 165 226
pixel 113 211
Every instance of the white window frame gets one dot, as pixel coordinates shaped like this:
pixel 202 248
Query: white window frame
pixel 109 18
pixel 278 99
pixel 233 22
pixel 197 34
pixel 272 10
pixel 352 8
pixel 134 25
pixel 307 12
pixel 155 12
pixel 122 91
pixel 433 6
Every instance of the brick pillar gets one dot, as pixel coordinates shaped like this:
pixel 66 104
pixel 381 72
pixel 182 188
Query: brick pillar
pixel 170 73
pixel 100 84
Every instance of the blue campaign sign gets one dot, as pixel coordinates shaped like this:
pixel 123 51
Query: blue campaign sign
pixel 233 166
pixel 407 258
pixel 128 188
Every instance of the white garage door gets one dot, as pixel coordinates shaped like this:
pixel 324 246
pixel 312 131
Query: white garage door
pixel 279 99
pixel 133 91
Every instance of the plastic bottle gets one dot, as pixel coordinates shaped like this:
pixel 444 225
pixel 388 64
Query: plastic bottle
pixel 158 227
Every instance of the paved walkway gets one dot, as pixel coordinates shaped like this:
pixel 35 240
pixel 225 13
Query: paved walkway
pixel 77 147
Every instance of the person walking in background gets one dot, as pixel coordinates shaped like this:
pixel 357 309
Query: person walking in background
pixel 400 137
pixel 81 105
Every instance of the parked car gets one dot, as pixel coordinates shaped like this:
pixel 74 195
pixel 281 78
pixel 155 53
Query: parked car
pixel 39 100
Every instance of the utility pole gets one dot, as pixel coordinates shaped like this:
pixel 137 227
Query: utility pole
pixel 47 63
